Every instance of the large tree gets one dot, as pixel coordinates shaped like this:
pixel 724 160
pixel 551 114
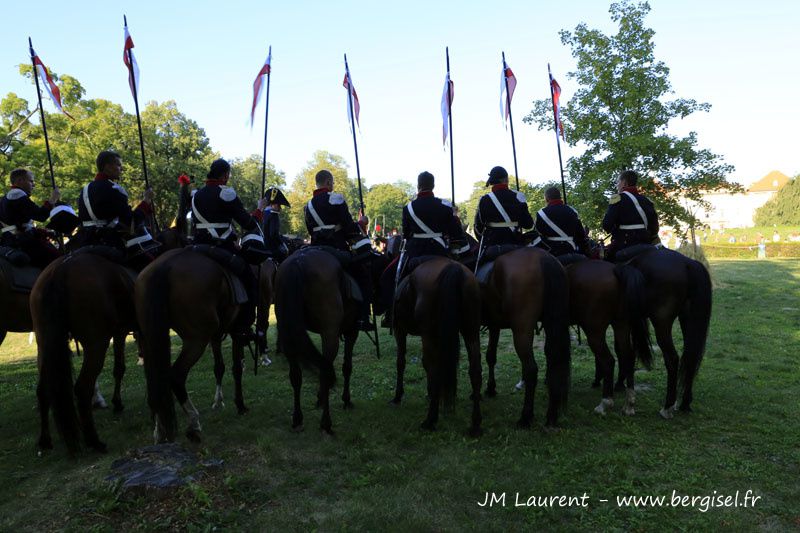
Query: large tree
pixel 385 202
pixel 783 208
pixel 621 112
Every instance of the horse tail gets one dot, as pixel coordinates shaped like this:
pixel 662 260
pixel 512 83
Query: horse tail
pixel 52 335
pixel 555 320
pixel 292 329
pixel 184 202
pixel 450 285
pixel 634 295
pixel 156 350
pixel 697 319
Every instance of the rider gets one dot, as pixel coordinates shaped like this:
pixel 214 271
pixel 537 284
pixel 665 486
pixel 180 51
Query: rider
pixel 631 217
pixel 560 227
pixel 329 223
pixel 501 217
pixel 17 211
pixel 214 208
pixel 271 223
pixel 106 218
pixel 430 228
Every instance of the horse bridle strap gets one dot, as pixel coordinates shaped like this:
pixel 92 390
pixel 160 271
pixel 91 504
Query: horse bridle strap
pixel 639 209
pixel 562 237
pixel 428 232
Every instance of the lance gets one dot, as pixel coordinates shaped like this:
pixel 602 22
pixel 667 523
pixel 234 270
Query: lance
pixel 450 125
pixel 558 141
pixel 350 90
pixel 266 121
pixel 138 120
pixel 510 119
pixel 41 112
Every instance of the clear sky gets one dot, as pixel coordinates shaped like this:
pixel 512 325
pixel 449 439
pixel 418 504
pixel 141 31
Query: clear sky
pixel 740 56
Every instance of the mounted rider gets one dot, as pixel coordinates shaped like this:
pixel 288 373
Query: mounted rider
pixel 559 226
pixel 214 208
pixel 501 218
pixel 106 218
pixel 431 228
pixel 17 213
pixel 631 218
pixel 274 242
pixel 329 223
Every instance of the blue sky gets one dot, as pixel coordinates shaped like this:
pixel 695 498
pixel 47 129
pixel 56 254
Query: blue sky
pixel 739 56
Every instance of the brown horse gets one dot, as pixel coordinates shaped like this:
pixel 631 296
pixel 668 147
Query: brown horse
pixel 187 292
pixel 529 285
pixel 440 300
pixel 15 314
pixel 599 299
pixel 89 298
pixel 675 287
pixel 311 294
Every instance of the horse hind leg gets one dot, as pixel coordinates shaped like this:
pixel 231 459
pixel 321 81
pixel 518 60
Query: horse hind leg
pixel 296 378
pixel 626 358
pixel 399 390
pixel 45 439
pixel 119 372
pixel 237 352
pixel 330 347
pixel 192 349
pixel 94 355
pixel 491 361
pixel 523 345
pixel 663 331
pixel 219 372
pixel 604 361
pixel 473 345
pixel 434 385
pixel 347 368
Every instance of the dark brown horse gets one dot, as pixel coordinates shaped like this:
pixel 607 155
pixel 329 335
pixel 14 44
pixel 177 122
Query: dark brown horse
pixel 675 287
pixel 312 294
pixel 187 292
pixel 89 298
pixel 15 314
pixel 599 299
pixel 440 300
pixel 529 285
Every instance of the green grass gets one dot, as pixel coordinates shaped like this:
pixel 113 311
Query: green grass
pixel 381 472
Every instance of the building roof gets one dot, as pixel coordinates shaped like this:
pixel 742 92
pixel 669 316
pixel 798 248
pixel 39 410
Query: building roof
pixel 771 182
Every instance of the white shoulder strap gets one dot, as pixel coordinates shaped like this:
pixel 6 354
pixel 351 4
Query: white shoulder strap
pixel 499 207
pixel 430 233
pixel 563 237
pixel 317 219
pixel 88 204
pixel 211 227
pixel 637 206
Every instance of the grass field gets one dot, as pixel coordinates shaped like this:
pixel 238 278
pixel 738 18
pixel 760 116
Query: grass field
pixel 380 472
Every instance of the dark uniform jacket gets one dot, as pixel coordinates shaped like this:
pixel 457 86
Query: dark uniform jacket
pixel 491 226
pixel 566 219
pixel 16 211
pixel 335 225
pixel 109 202
pixel 438 216
pixel 214 208
pixel 624 222
pixel 273 240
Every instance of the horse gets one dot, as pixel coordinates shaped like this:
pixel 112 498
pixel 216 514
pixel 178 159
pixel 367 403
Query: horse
pixel 439 300
pixel 598 298
pixel 675 287
pixel 88 297
pixel 312 294
pixel 15 315
pixel 190 293
pixel 528 285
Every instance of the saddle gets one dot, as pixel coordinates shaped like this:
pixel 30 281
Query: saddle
pixel 344 257
pixel 232 265
pixel 14 256
pixel 20 277
pixel 110 253
pixel 626 255
pixel 571 259
pixel 489 256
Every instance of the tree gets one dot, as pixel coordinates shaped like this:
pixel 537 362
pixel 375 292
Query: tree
pixel 783 208
pixel 621 112
pixel 304 185
pixel 246 179
pixel 384 203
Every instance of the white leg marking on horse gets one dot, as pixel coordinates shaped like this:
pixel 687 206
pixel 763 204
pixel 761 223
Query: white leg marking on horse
pixel 193 414
pixel 98 400
pixel 157 432
pixel 265 360
pixel 667 413
pixel 520 385
pixel 218 399
pixel 604 406
pixel 630 401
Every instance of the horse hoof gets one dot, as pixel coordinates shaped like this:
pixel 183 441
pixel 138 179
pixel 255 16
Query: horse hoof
pixel 118 408
pixel 45 443
pixel 396 401
pixel 475 432
pixel 491 393
pixel 242 409
pixel 193 435
pixel 604 406
pixel 628 410
pixel 524 423
pixel 348 405
pixel 298 428
pixel 428 426
pixel 552 429
pixel 667 414
pixel 327 433
pixel 218 405
pixel 99 404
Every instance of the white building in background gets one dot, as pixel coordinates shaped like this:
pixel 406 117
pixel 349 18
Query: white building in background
pixel 738 210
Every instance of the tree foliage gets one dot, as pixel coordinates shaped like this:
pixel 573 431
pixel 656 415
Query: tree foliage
pixel 620 113
pixel 385 202
pixel 783 208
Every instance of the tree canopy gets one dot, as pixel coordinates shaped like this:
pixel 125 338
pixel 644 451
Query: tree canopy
pixel 385 202
pixel 783 208
pixel 620 112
